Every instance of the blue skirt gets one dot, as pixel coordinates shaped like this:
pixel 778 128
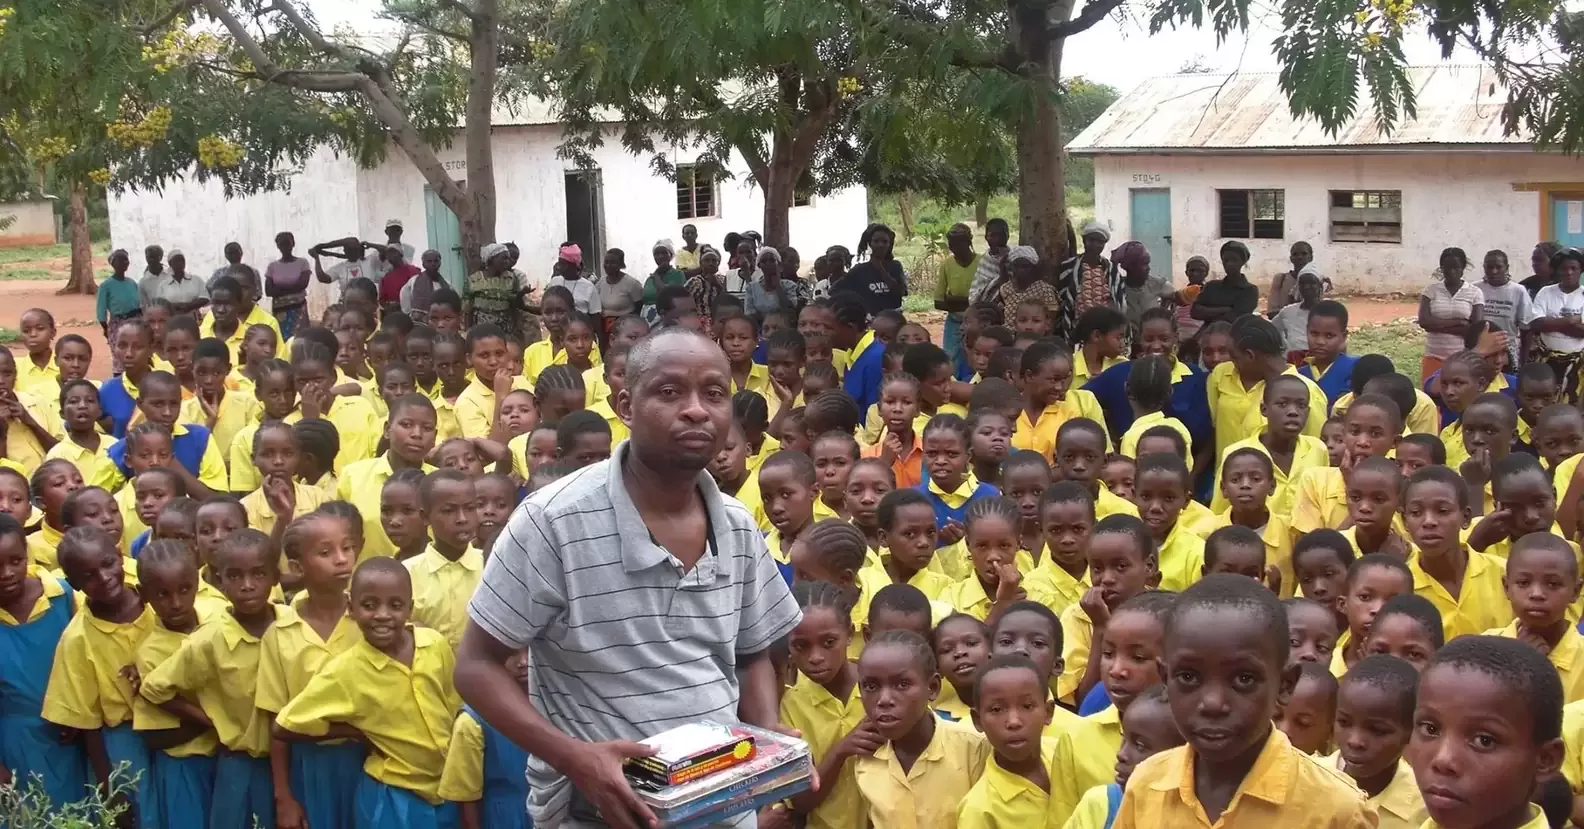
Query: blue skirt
pixel 244 794
pixel 504 810
pixel 32 750
pixel 324 779
pixel 382 806
pixel 180 791
pixel 129 755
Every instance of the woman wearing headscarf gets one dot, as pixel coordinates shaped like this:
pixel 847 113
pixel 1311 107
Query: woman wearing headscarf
pixel 664 274
pixel 494 292
pixel 707 285
pixel 1232 295
pixel 568 273
pixel 1540 261
pixel 768 292
pixel 1557 316
pixel 1021 283
pixel 1087 280
pixel 1449 308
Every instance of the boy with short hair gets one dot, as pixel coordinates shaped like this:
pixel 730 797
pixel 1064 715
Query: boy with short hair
pixel 1374 721
pixel 1327 362
pixel 1147 730
pixel 199 462
pixel 445 574
pixel 1163 487
pixel 1542 582
pixel 786 487
pixel 1537 389
pixel 1490 426
pixel 1227 638
pixel 38 374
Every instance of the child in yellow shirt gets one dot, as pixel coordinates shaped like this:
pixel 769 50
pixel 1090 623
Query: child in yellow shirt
pixel 51 484
pixel 484 770
pixel 1130 646
pixel 38 374
pixel 223 411
pixel 1080 455
pixel 218 665
pixel 583 438
pixel 1029 629
pixel 410 430
pixel 1525 502
pixel 1314 631
pixel 84 444
pixel 1471 684
pixel 1418 450
pixel 382 690
pixel 1122 565
pixel 1409 628
pixel 1246 480
pixel 786 489
pixel 1164 486
pixel 312 781
pixel 992 540
pixel 1066 517
pixel 1012 708
pixel 497 497
pixel 834 454
pixel 476 406
pixel 1436 509
pixel 1374 722
pixel 924 767
pixel 908 554
pixel 445 574
pixel 152 490
pixel 1374 501
pixel 1307 714
pixel 282 497
pixel 960 646
pixel 869 482
pixel 1371 582
pixel 1147 730
pixel 88 690
pixel 1149 391
pixel 825 706
pixel 1225 639
pixel 1542 582
pixel 1369 432
pixel 93 507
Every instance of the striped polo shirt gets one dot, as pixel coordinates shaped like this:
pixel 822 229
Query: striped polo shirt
pixel 624 644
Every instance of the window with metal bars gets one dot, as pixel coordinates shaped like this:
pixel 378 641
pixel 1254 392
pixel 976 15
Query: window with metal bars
pixel 696 193
pixel 1252 214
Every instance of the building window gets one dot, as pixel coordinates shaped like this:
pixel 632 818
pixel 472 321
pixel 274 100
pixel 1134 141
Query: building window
pixel 1253 214
pixel 695 190
pixel 802 198
pixel 1366 216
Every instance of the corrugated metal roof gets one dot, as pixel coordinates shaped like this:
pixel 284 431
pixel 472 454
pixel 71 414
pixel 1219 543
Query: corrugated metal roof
pixel 1228 113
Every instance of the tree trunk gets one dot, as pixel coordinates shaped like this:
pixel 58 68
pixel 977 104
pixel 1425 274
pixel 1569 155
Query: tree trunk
pixel 778 200
pixel 1042 222
pixel 905 207
pixel 982 210
pixel 81 280
pixel 479 144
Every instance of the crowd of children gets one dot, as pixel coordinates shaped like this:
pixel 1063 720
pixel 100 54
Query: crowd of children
pixel 1044 585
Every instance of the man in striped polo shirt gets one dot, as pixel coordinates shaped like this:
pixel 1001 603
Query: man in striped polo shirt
pixel 647 599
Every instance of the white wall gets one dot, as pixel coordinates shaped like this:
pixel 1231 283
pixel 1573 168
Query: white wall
pixel 200 220
pixel 32 223
pixel 1464 200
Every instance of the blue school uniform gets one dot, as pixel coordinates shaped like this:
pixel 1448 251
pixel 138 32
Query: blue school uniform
pixel 1188 403
pixel 1095 701
pixel 1449 417
pixel 244 793
pixel 1337 380
pixel 140 542
pixel 324 778
pixel 118 405
pixel 181 790
pixel 863 376
pixel 29 746
pixel 505 786
pixel 125 747
pixel 1113 803
pixel 945 512
pixel 383 806
pixel 187 448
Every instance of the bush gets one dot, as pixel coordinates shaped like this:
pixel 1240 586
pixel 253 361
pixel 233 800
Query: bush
pixel 99 230
pixel 27 806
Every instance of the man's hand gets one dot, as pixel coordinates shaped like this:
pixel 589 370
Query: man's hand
pixel 596 771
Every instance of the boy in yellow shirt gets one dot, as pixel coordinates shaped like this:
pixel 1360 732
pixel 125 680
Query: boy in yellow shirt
pixel 1474 687
pixel 38 374
pixel 1227 640
pixel 1374 721
pixel 476 406
pixel 410 430
pixel 383 690
pixel 1163 487
pixel 1012 708
pixel 1465 586
pixel 1080 452
pixel 1147 730
pixel 218 665
pixel 1371 428
pixel 445 574
pixel 824 705
pixel 1542 582
pixel 222 411
pixel 88 692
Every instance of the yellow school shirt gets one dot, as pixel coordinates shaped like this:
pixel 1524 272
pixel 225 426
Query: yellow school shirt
pixel 40 382
pixel 291 652
pixel 236 411
pixel 1351 534
pixel 1041 437
pixel 86 689
pixel 1085 757
pixel 244 475
pixel 42 545
pixel 358 427
pixel 1198 519
pixel 462 779
pixel 1399 805
pixel 156 649
pixel 1277 535
pixel 21 445
pixel 446 424
pixel 218 664
pixel 94 465
pixel 824 720
pixel 442 588
pixel 1567 657
pixel 1310 453
pixel 360 484
pixel 475 410
pixel 541 355
pixel 1146 422
pixel 261 516
pixel 1235 410
pixel 968 596
pixel 1535 820
pixel 1285 787
pixel 927 795
pixel 517 449
pixel 257 316
pixel 1004 800
pixel 1425 419
pixel 1054 587
pixel 869 432
pixel 595 389
pixel 131 525
pixel 1094 808
pixel 1082 374
pixel 1110 503
pixel 210 600
pixel 1181 558
pixel 1452 439
pixel 1319 500
pixel 52 588
pixel 931 583
pixel 1563 476
pixel 405 712
pixel 1481 604
pixel 758 382
pixel 767 447
pixel 619 431
pixel 1077 634
pixel 1573 746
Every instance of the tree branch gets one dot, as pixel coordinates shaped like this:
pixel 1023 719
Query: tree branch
pixel 170 14
pixel 1093 12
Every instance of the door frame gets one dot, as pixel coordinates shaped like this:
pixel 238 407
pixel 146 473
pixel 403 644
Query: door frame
pixel 596 184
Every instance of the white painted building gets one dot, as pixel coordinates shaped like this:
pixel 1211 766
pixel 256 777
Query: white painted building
pixel 1186 162
pixel 542 201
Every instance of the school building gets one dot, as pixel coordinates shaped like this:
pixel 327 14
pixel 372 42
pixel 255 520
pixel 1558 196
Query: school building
pixel 542 200
pixel 1187 162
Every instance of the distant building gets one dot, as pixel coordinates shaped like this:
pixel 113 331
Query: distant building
pixel 1186 162
pixel 541 202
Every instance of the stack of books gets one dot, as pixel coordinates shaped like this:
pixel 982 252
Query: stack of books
pixel 704 773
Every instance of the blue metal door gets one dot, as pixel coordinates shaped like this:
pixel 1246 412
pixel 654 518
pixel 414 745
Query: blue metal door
pixel 1151 222
pixel 445 235
pixel 1567 220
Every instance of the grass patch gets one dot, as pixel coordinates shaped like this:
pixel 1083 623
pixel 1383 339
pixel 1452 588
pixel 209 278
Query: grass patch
pixel 1402 341
pixel 26 273
pixel 28 255
pixel 9 335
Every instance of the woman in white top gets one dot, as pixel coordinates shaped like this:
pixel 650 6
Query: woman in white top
pixel 620 293
pixel 568 273
pixel 1448 308
pixel 1557 315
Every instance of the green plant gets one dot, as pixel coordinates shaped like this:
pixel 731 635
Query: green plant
pixel 29 807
